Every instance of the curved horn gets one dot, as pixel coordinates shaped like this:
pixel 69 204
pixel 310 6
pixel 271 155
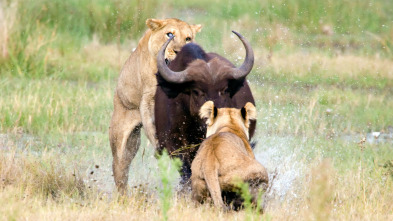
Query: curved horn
pixel 246 67
pixel 166 73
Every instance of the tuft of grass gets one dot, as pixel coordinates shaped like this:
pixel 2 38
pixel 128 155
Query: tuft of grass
pixel 243 190
pixel 247 197
pixel 252 211
pixel 167 170
pixel 321 192
pixel 42 177
pixel 388 165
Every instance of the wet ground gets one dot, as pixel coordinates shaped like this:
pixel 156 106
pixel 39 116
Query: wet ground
pixel 282 156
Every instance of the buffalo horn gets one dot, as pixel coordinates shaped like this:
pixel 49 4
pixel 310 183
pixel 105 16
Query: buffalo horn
pixel 166 73
pixel 246 67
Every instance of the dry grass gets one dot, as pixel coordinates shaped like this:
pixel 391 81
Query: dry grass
pixel 7 20
pixel 39 177
pixel 310 63
pixel 40 187
pixel 340 66
pixel 327 195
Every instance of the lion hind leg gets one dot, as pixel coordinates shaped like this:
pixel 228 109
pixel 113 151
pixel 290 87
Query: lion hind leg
pixel 124 136
pixel 199 189
pixel 211 177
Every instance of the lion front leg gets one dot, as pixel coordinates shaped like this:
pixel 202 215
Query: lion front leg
pixel 147 115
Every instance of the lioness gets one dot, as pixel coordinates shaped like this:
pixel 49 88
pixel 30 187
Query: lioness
pixel 134 95
pixel 226 157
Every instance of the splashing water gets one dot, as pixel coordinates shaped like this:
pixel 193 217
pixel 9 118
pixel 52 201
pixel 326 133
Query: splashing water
pixel 280 156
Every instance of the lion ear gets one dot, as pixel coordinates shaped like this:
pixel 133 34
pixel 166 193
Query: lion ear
pixel 208 111
pixel 154 24
pixel 248 112
pixel 196 28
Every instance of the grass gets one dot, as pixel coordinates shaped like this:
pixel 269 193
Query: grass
pixel 42 107
pixel 322 81
pixel 167 169
pixel 344 182
pixel 301 14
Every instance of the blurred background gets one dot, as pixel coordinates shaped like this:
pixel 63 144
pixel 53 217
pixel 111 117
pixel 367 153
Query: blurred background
pixel 322 79
pixel 301 44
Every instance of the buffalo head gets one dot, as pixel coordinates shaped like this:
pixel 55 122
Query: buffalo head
pixel 208 77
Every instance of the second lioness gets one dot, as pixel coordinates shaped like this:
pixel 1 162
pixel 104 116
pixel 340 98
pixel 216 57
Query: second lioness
pixel 226 157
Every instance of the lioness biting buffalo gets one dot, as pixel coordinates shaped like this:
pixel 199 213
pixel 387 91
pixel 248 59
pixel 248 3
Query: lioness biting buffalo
pixel 134 94
pixel 226 156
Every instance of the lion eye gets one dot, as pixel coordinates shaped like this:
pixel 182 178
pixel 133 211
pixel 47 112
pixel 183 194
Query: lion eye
pixel 188 39
pixel 169 34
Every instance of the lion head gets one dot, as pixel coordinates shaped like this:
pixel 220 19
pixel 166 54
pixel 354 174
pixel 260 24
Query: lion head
pixel 161 30
pixel 217 118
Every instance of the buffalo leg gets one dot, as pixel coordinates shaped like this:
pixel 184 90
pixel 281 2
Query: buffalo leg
pixel 124 137
pixel 185 173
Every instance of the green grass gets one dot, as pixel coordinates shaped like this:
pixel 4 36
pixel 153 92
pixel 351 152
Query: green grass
pixel 168 168
pixel 46 39
pixel 322 110
pixel 360 25
pixel 54 106
pixel 110 20
pixel 374 16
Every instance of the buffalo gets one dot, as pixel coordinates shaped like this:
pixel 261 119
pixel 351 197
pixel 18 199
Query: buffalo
pixel 184 85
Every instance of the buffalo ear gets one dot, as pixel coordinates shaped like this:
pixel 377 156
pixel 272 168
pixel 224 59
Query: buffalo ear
pixel 208 111
pixel 170 89
pixel 248 112
pixel 155 24
pixel 234 86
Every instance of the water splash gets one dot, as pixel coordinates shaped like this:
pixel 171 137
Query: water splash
pixel 280 156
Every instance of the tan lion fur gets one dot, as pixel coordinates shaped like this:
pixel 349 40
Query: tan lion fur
pixel 225 157
pixel 134 95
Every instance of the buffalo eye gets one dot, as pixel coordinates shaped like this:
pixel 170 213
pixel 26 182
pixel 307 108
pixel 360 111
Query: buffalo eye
pixel 223 91
pixel 188 39
pixel 169 34
pixel 198 93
